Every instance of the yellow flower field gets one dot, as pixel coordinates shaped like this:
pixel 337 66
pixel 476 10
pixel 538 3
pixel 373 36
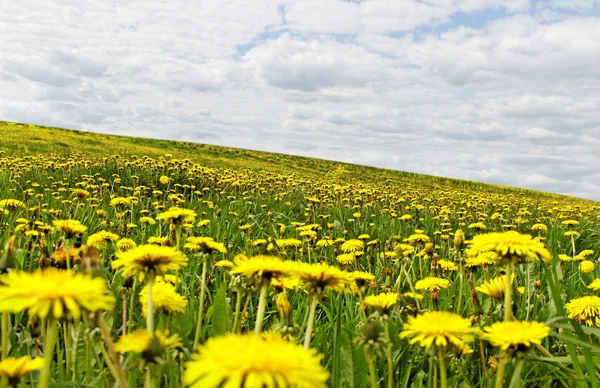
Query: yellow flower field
pixel 133 262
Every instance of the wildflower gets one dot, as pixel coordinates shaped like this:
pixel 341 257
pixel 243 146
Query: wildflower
pixel 147 260
pixel 539 228
pixel 412 295
pixel 511 246
pixel 352 246
pixel 317 277
pixel 570 223
pixel 98 240
pixel 346 258
pixel 224 264
pixel 162 241
pixel 11 204
pixel 595 285
pixel 417 238
pixel 439 328
pixel 586 266
pixel 139 341
pixel 263 267
pixel 515 335
pixel 53 292
pixel 120 202
pixel 71 228
pixel 251 361
pixel 125 244
pixel 15 368
pixel 459 239
pixel 494 287
pixel 585 310
pixel 432 284
pixel 177 216
pixel 447 265
pixel 204 244
pixel 382 302
pixel 165 299
pixel 482 259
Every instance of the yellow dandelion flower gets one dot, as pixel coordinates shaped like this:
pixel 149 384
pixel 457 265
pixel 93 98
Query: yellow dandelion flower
pixel 511 246
pixel 120 202
pixel 162 241
pixel 515 335
pixel 439 328
pixel 149 260
pixel 494 287
pixel 139 341
pixel 382 302
pixel 263 267
pixel 252 361
pixel 346 258
pixel 447 265
pixel 417 238
pixel 352 245
pixel 413 295
pixel 165 299
pixel 317 277
pixel 570 223
pixel 71 228
pixel 563 257
pixel 586 266
pixel 404 249
pixel 15 368
pixel 585 310
pixel 98 240
pixel 53 292
pixel 11 204
pixel 177 216
pixel 204 244
pixel 224 264
pixel 125 244
pixel 432 284
pixel 539 228
pixel 595 285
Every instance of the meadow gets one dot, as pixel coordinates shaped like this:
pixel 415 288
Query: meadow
pixel 135 262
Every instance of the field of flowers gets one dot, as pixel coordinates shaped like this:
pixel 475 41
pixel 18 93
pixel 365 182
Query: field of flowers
pixel 146 263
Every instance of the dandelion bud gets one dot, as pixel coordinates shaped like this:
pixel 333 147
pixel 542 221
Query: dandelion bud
pixel 8 257
pixel 429 248
pixel 459 239
pixel 283 304
pixel 370 331
pixel 493 363
pixel 537 283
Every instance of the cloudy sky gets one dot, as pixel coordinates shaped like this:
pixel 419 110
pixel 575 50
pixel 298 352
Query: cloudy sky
pixel 489 90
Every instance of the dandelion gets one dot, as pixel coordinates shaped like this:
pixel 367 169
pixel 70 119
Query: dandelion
pixel 15 368
pixel 382 302
pixel 586 266
pixel 165 299
pixel 447 265
pixel 100 239
pixel 585 310
pixel 141 342
pixel 205 245
pixel 71 228
pixel 346 258
pixel 353 245
pixel 253 362
pixel 494 287
pixel 149 260
pixel 513 336
pixel 432 284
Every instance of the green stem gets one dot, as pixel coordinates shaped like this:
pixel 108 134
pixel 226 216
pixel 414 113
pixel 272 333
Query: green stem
pixel 508 294
pixel 238 308
pixel 120 374
pixel 443 372
pixel 50 341
pixel 4 335
pixel 131 303
pixel 311 321
pixel 372 370
pixel 262 304
pixel 501 370
pixel 201 306
pixel 516 377
pixel 150 312
pixel 461 288
pixel 390 360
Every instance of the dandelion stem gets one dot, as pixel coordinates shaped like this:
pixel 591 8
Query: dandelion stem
pixel 443 372
pixel 501 370
pixel 120 374
pixel 238 307
pixel 516 377
pixel 150 312
pixel 262 304
pixel 131 302
pixel 372 371
pixel 50 341
pixel 201 306
pixel 508 294
pixel 461 287
pixel 311 320
pixel 4 335
pixel 390 360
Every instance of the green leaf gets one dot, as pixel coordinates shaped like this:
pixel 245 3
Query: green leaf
pixel 335 369
pixel 219 318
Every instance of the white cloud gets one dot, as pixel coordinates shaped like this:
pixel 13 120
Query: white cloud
pixel 387 83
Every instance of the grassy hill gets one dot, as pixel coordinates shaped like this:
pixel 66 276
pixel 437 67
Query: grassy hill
pixel 29 139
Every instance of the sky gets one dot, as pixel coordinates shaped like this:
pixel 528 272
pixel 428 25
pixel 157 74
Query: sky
pixel 500 91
